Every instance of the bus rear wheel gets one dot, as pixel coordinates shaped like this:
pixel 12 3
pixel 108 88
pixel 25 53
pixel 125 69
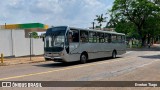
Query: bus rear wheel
pixel 114 54
pixel 83 58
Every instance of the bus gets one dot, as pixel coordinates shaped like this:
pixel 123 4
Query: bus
pixel 68 44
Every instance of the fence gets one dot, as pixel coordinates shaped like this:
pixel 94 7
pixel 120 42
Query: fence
pixel 14 43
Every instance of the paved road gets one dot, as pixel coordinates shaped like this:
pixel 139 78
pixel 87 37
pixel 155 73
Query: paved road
pixel 132 66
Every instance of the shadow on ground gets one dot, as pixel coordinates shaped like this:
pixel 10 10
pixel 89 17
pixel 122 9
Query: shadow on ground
pixel 65 64
pixel 151 57
pixel 152 48
pixel 143 49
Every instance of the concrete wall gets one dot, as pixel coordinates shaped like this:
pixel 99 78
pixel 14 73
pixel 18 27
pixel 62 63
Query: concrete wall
pixel 5 42
pixel 14 43
pixel 38 46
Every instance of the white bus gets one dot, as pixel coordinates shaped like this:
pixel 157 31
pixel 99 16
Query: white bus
pixel 67 44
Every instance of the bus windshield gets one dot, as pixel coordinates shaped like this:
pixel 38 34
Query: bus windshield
pixel 54 40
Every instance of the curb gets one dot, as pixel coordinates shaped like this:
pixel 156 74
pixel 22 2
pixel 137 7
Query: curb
pixel 7 64
pixel 3 64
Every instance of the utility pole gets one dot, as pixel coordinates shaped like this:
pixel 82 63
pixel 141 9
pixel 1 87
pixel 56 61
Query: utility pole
pixel 93 24
pixel 5 26
pixel 30 34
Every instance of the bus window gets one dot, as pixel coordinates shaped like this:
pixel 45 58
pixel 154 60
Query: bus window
pixel 119 39
pixel 101 38
pixel 98 35
pixel 106 38
pixel 84 36
pixel 123 39
pixel 70 37
pixel 109 38
pixel 114 38
pixel 92 37
pixel 74 37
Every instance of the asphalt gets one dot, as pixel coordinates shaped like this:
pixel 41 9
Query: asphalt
pixel 40 58
pixel 135 65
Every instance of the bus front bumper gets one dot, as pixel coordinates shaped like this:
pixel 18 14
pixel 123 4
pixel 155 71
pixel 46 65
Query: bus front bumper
pixel 54 58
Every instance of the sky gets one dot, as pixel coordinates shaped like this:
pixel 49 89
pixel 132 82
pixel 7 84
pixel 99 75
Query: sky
pixel 75 13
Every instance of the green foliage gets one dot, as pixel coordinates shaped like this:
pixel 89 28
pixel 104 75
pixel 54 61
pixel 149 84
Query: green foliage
pixel 139 17
pixel 128 28
pixel 100 19
pixel 152 26
pixel 34 35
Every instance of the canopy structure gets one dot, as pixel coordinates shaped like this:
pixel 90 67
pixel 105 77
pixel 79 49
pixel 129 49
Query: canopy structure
pixel 27 27
pixel 24 26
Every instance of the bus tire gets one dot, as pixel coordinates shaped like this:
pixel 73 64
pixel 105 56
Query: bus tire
pixel 83 58
pixel 114 54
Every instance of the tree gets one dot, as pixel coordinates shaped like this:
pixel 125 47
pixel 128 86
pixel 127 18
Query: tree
pixel 152 27
pixel 128 28
pixel 112 22
pixel 100 19
pixel 135 11
pixel 34 35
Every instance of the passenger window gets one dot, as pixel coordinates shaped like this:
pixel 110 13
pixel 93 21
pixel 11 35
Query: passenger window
pixel 101 37
pixel 98 36
pixel 106 38
pixel 109 38
pixel 74 35
pixel 84 36
pixel 119 39
pixel 114 38
pixel 92 37
pixel 123 39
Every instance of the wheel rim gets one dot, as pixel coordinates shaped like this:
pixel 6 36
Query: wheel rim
pixel 114 54
pixel 83 58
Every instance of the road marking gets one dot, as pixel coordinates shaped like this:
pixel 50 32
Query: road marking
pixel 128 52
pixel 68 68
pixel 150 54
pixel 148 63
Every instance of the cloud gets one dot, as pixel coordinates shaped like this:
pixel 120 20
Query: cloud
pixel 79 13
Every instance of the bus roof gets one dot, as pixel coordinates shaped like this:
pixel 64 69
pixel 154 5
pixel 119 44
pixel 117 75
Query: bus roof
pixel 111 32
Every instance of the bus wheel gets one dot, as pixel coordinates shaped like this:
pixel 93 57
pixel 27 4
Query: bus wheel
pixel 83 58
pixel 114 54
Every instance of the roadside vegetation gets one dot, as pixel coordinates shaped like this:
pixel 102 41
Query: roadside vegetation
pixel 138 19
